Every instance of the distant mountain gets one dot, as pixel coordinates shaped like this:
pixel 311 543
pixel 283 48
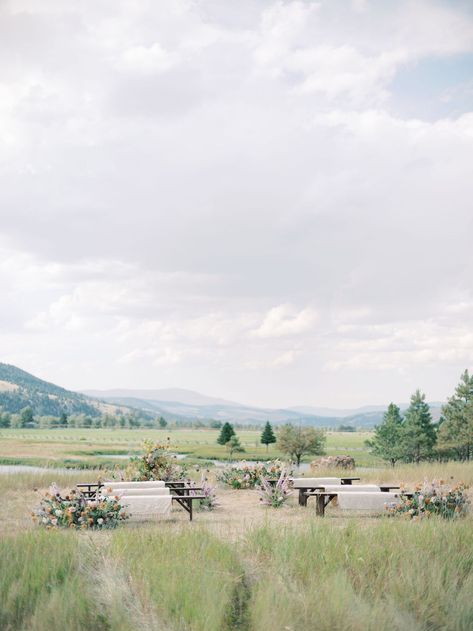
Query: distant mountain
pixel 20 389
pixel 180 404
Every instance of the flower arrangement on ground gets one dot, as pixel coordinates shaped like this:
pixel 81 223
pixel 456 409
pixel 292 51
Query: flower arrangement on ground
pixel 275 495
pixel 157 463
pixel 75 511
pixel 433 498
pixel 209 502
pixel 247 476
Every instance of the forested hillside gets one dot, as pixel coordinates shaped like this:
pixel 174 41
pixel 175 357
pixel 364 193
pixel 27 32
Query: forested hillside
pixel 19 389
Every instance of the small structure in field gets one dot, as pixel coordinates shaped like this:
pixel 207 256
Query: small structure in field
pixel 333 462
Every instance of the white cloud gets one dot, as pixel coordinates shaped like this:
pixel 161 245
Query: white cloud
pixel 284 321
pixel 193 194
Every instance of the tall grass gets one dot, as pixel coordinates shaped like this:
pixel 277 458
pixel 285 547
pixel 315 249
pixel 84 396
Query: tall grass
pixel 193 580
pixel 41 587
pixel 393 575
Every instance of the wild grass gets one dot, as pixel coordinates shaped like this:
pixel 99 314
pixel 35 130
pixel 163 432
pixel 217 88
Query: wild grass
pixel 392 575
pixel 194 580
pixel 294 571
pixel 41 586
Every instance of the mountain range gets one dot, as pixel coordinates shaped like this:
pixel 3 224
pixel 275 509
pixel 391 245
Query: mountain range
pixel 19 389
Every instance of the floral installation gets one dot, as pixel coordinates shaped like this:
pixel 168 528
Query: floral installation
pixel 433 498
pixel 157 463
pixel 77 512
pixel 247 476
pixel 209 503
pixel 275 496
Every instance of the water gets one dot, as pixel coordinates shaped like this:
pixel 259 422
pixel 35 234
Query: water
pixel 23 468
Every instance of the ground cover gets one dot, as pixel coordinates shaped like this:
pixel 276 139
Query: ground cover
pixel 243 566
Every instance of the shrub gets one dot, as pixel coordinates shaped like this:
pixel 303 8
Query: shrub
pixel 155 464
pixel 247 476
pixel 275 496
pixel 209 502
pixel 433 498
pixel 74 511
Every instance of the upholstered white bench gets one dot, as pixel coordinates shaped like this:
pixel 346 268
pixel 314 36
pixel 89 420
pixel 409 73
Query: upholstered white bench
pixel 354 500
pixel 144 500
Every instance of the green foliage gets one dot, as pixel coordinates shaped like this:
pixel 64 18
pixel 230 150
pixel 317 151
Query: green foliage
pixel 162 422
pixel 298 441
pixel 74 511
pixel 267 436
pixel 234 446
pixel 418 432
pixel 155 464
pixel 433 498
pixel 456 431
pixel 247 476
pixel 386 442
pixel 226 433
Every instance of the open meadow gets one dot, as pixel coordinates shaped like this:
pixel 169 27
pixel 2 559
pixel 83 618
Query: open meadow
pixel 91 448
pixel 243 566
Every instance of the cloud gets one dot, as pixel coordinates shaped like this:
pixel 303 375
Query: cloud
pixel 196 194
pixel 282 321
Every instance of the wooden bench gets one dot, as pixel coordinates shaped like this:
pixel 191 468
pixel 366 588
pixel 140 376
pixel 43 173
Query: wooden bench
pixel 180 493
pixel 303 490
pixel 323 499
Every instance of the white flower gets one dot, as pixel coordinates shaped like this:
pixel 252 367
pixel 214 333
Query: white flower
pixel 100 521
pixel 58 513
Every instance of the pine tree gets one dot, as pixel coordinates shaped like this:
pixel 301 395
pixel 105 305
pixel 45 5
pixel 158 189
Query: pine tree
pixel 226 433
pixel 387 440
pixel 267 436
pixel 418 432
pixel 456 430
pixel 162 422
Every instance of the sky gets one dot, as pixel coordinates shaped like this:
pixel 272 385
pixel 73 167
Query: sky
pixel 267 201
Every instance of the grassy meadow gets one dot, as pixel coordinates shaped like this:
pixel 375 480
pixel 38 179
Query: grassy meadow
pixel 92 448
pixel 241 567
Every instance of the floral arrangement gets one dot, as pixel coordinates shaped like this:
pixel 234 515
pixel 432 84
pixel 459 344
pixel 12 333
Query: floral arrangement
pixel 275 496
pixel 247 476
pixel 157 463
pixel 209 502
pixel 433 498
pixel 75 511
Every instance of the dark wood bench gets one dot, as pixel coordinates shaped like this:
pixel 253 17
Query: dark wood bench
pixel 180 492
pixel 303 490
pixel 323 499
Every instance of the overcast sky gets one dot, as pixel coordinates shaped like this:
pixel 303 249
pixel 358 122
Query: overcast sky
pixel 265 201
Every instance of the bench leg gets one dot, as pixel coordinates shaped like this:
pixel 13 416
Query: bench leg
pixel 320 505
pixel 302 498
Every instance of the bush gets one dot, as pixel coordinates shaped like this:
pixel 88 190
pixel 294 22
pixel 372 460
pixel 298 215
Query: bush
pixel 275 496
pixel 155 464
pixel 247 476
pixel 209 502
pixel 74 511
pixel 433 498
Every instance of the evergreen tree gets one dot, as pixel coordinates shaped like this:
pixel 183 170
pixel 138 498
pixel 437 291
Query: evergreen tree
pixel 226 433
pixel 387 440
pixel 234 445
pixel 297 441
pixel 418 432
pixel 26 417
pixel 456 430
pixel 162 422
pixel 267 436
pixel 63 420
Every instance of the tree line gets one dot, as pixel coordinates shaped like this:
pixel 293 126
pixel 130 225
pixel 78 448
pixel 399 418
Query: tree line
pixel 415 437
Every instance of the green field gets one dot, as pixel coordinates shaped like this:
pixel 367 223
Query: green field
pixel 90 448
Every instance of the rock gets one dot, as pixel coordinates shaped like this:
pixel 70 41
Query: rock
pixel 333 462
